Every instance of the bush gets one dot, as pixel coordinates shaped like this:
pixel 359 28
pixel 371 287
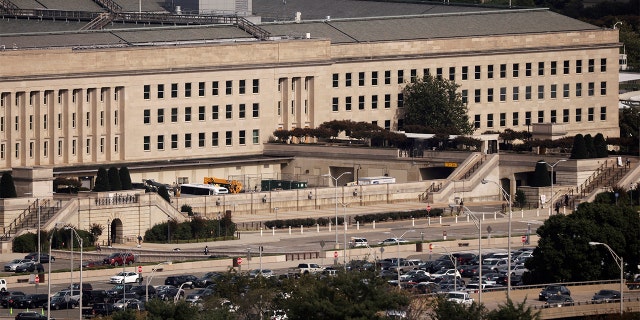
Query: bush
pixel 7 187
pixel 187 208
pixel 102 181
pixel 26 243
pixel 125 178
pixel 114 179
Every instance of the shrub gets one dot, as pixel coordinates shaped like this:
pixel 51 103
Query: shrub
pixel 114 179
pixel 7 187
pixel 187 208
pixel 102 181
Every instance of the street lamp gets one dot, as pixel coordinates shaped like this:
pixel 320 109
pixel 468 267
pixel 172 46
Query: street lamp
pixel 336 198
pixel 478 223
pixel 149 278
pixel 49 274
pixel 552 177
pixel 620 264
pixel 74 232
pixel 507 197
pixel 398 258
pixel 455 266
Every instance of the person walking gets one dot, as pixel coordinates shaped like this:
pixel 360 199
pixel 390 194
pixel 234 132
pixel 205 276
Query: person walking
pixel 206 250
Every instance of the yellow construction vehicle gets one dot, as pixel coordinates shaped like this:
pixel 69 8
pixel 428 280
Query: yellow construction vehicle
pixel 234 186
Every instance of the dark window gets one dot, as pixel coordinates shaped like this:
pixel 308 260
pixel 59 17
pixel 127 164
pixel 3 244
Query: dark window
pixel 347 79
pixel 242 86
pixel 161 91
pixel 229 87
pixel 477 72
pixel 476 121
pixel 516 70
pixel 256 110
pixel 174 90
pixel 242 111
pixel 215 112
pixel 490 71
pixel 201 113
pixel 361 79
pixel 201 89
pixel 187 114
pixel 347 103
pixel 361 102
pixel 565 67
pixel 187 140
pixel 503 71
pixel 527 69
pixel 174 114
pixel 374 78
pixel 554 68
pixel 334 104
pixel 515 119
pixel 387 77
pixel 147 116
pixel 400 76
pixel 147 92
pixel 477 96
pixel 465 73
pixel 187 89
pixel 541 68
pixel 214 88
pixel 256 85
pixel 603 88
pixel 229 111
pixel 565 115
pixel 578 66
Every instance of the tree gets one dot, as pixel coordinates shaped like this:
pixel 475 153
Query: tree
pixel 125 178
pixel 521 198
pixel 541 176
pixel 579 149
pixel 102 181
pixel 433 102
pixel 164 193
pixel 601 146
pixel 443 309
pixel 114 179
pixel 7 187
pixel 591 149
pixel 510 311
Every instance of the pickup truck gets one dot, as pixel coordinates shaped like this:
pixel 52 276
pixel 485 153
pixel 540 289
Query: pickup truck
pixel 307 268
pixel 460 297
pixel 3 285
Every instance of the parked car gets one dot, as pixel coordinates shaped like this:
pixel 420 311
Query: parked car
pixel 92 264
pixel 31 315
pixel 207 279
pixel 119 258
pixel 142 290
pixel 31 301
pixel 553 290
pixel 198 295
pixel 391 241
pixel 44 257
pixel 7 296
pixel 445 272
pixel 266 273
pixel 122 303
pixel 59 302
pixel 125 277
pixel 119 289
pixel 168 292
pixel 98 309
pixel 603 296
pixel 177 281
pixel 29 266
pixel 13 264
pixel 405 265
pixel 460 297
pixel 558 300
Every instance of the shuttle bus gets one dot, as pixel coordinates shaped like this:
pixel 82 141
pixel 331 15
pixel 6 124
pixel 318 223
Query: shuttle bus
pixel 202 189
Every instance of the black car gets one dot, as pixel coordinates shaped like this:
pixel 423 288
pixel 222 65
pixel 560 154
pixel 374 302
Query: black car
pixel 31 315
pixel 7 297
pixel 186 279
pixel 58 303
pixel 118 289
pixel 29 267
pixel 44 257
pixel 558 300
pixel 603 296
pixel 553 290
pixel 98 309
pixel 31 301
pixel 168 292
pixel 142 290
pixel 207 279
pixel 95 296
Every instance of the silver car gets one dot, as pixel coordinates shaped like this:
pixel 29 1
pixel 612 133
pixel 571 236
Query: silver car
pixel 13 264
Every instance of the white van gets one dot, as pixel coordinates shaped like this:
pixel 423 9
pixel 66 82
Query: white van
pixel 358 242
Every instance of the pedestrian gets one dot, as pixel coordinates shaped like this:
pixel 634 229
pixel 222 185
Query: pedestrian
pixel 98 248
pixel 557 207
pixel 206 250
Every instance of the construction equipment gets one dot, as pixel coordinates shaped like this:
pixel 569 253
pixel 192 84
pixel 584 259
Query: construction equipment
pixel 234 186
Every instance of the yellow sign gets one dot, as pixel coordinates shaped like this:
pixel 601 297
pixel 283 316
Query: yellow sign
pixel 451 164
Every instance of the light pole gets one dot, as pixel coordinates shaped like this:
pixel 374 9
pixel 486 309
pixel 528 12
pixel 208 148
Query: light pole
pixel 552 177
pixel 149 278
pixel 455 266
pixel 336 198
pixel 49 274
pixel 74 232
pixel 478 223
pixel 507 197
pixel 398 257
pixel 620 263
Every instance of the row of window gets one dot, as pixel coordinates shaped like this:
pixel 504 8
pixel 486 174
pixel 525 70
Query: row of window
pixel 202 139
pixel 528 92
pixel 45 121
pixel 554 117
pixel 202 113
pixel 18 96
pixel 202 87
pixel 541 68
pixel 45 147
pixel 348 101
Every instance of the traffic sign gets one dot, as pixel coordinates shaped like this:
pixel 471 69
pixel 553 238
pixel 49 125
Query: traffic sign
pixel 430 246
pixel 428 208
pixel 37 279
pixel 524 239
pixel 239 260
pixel 335 254
pixel 139 269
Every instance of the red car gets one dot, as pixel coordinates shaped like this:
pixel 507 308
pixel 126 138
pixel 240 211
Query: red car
pixel 119 258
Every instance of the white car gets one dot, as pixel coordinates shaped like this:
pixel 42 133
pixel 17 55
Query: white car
pixel 125 277
pixel 459 297
pixel 391 241
pixel 13 264
pixel 445 272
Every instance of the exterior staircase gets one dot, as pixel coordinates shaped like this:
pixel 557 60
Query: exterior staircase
pixel 607 175
pixel 99 22
pixel 28 219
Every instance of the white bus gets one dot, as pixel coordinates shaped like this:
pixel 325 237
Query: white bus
pixel 202 189
pixel 375 180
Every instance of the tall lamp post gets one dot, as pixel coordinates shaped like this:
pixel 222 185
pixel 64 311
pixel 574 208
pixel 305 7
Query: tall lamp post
pixel 552 178
pixel 398 257
pixel 620 263
pixel 74 232
pixel 336 198
pixel 455 266
pixel 478 223
pixel 507 197
pixel 49 274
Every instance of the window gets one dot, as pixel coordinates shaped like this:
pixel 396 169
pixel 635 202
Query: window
pixel 242 137
pixel 541 68
pixel 452 73
pixel 578 66
pixel 603 88
pixel 603 113
pixel 187 114
pixel 527 69
pixel 174 90
pixel 228 138
pixel 214 139
pixel 387 101
pixel 554 91
pixel 400 76
pixel 400 100
pixel 565 90
pixel 578 89
pixel 590 112
pixel 201 89
pixel 116 144
pixel 228 87
pixel 215 90
pixel 30 149
pixel 439 73
pixel 201 113
pixel 256 85
pixel 578 115
pixel 334 104
pixel 503 119
pixel 242 86
pixel 347 79
pixel 201 140
pixel 59 148
pixel 161 91
pixel 490 95
pixel 73 120
pixel 147 92
pixel 255 136
pixel 160 115
pixel 541 92
pixel 336 79
pixel 30 122
pixel 465 73
pixel 554 68
pixel 476 121
pixel 477 95
pixel 174 115
pixel 256 110
pixel 603 65
pixel 146 144
pixel 160 142
pixel 465 96
pixel 229 111
pixel 477 72
pixel 374 78
pixel 527 118
pixel 503 71
pixel 387 124
pixel 174 141
pixel 591 63
pixel 242 111
pixel 514 120
pixel 187 140
pixel 88 119
pixel 490 71
pixel 565 115
pixel 347 103
pixel 2 151
pixel 361 79
pixel 565 68
pixel 490 120
pixel 527 93
pixel 426 72
pixel 147 116
pixel 413 75
pixel 540 116
pixel 101 118
pixel 387 77
pixel 361 102
pixel 516 70
pixel 215 112
pixel 18 149
pixel 374 102
pixel 1 124
pixel 591 89
pixel 59 121
pixel 44 121
pixel 45 149
pixel 553 116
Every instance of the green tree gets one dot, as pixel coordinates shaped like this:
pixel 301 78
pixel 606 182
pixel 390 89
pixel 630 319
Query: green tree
pixel 164 193
pixel 125 178
pixel 579 149
pixel 114 179
pixel 541 177
pixel 591 149
pixel 7 187
pixel 433 102
pixel 443 309
pixel 102 181
pixel 600 145
pixel 521 198
pixel 511 311
pixel 629 122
